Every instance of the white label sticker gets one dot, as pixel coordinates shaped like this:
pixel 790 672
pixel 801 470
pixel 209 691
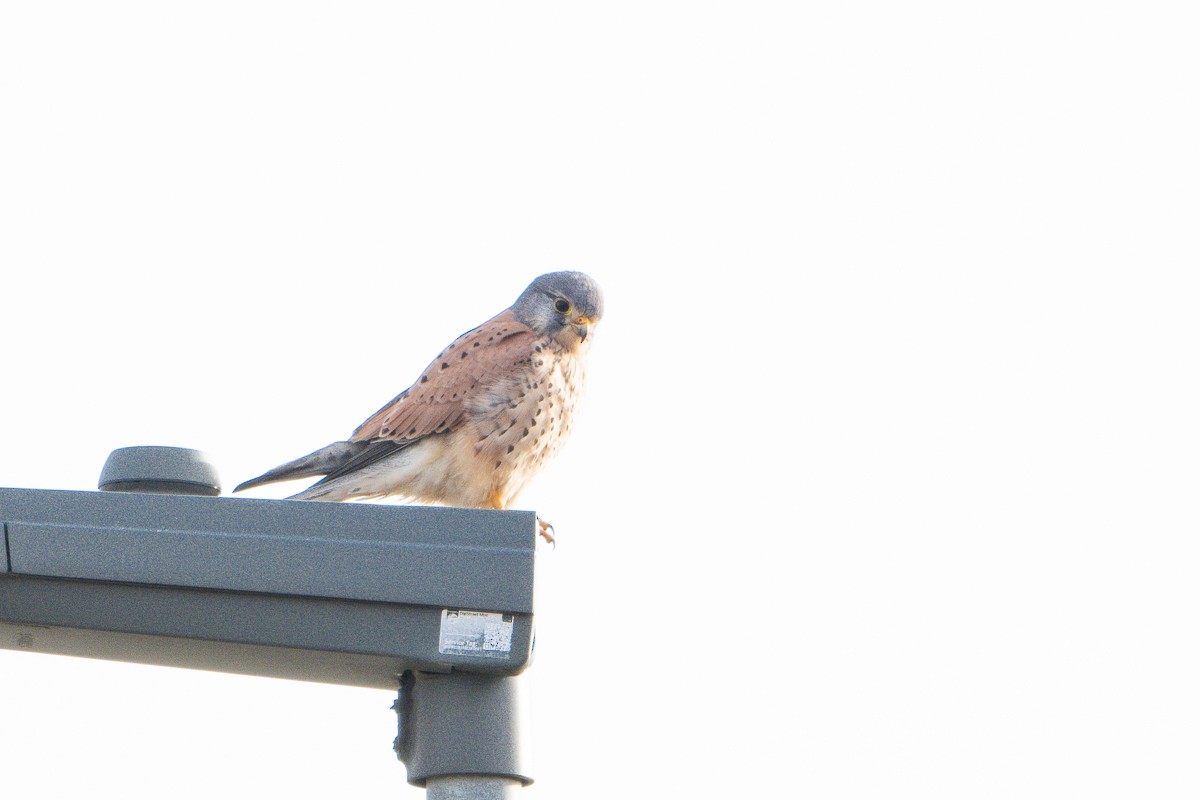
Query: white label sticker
pixel 485 634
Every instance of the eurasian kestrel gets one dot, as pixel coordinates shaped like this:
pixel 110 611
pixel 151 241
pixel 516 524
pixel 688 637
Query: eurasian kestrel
pixel 483 417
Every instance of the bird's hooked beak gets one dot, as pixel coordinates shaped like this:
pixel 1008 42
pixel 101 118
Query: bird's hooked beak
pixel 583 326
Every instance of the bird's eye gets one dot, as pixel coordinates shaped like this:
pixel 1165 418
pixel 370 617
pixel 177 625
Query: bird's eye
pixel 562 306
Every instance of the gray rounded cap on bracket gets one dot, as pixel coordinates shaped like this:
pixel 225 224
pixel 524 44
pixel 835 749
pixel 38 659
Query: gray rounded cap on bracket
pixel 160 470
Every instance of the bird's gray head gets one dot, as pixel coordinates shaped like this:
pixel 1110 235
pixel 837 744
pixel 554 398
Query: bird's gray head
pixel 562 305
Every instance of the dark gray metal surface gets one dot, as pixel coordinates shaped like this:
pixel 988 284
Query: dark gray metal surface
pixel 439 601
pixel 460 725
pixel 463 558
pixel 341 593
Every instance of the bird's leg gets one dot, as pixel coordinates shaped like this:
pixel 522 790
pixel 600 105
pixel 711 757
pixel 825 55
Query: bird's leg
pixel 546 531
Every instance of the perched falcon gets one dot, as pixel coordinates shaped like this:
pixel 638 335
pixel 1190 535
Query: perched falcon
pixel 483 417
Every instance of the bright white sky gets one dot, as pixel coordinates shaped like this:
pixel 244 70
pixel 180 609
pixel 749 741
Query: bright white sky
pixel 886 483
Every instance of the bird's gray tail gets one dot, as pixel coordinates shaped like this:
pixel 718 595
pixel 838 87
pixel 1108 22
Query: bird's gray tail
pixel 321 462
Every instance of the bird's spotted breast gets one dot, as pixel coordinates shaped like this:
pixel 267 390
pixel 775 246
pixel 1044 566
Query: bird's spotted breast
pixel 523 422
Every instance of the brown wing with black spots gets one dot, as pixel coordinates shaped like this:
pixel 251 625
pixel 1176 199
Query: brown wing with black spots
pixel 437 402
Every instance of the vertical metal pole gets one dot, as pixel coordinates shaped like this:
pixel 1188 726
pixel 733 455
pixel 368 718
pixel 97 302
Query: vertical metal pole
pixel 470 787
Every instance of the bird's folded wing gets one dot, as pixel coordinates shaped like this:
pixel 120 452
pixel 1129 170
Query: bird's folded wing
pixel 436 403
